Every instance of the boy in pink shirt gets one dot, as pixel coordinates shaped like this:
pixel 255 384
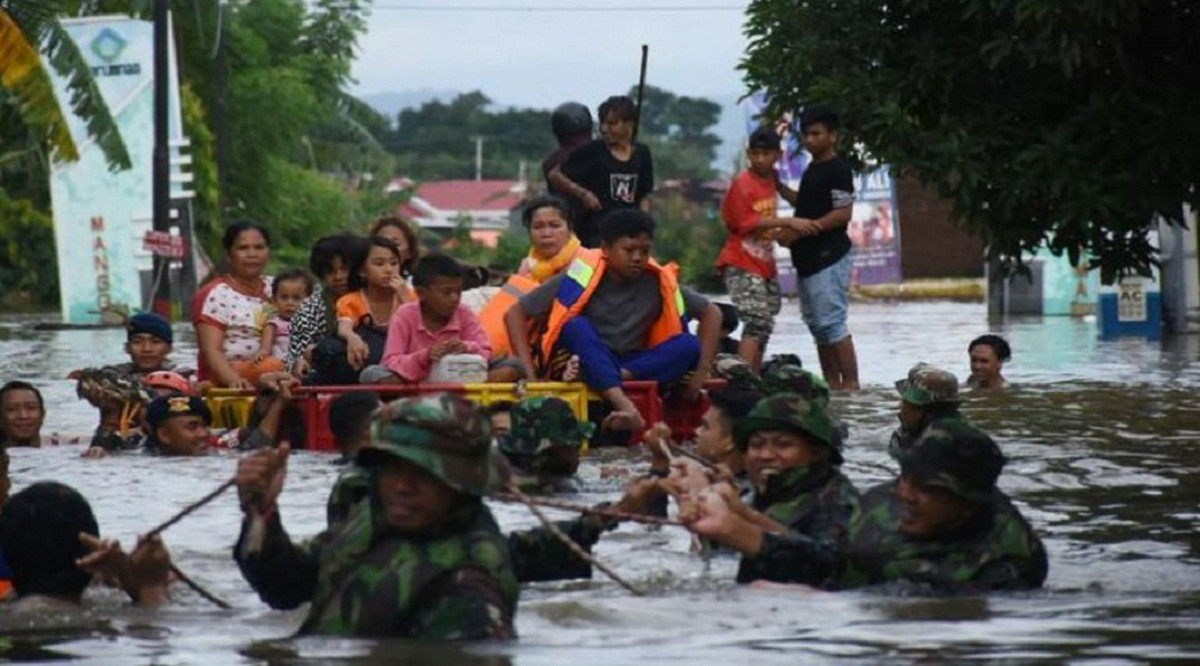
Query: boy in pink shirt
pixel 438 324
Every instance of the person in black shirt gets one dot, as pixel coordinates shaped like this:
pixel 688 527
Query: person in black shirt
pixel 610 173
pixel 821 249
pixel 572 126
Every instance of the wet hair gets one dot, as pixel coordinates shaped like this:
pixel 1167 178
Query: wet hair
pixel 818 115
pixel 623 105
pixel 234 230
pixel 410 237
pixel 39 532
pixel 733 403
pixel 998 344
pixel 499 407
pixel 729 317
pixel 625 223
pixel 349 414
pixel 326 249
pixel 362 251
pixel 18 385
pixel 546 201
pixel 434 266
pixel 292 274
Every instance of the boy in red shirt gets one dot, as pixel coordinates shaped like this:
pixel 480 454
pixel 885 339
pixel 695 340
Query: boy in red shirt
pixel 748 258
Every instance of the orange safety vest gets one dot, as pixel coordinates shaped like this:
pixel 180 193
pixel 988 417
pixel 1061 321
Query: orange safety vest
pixel 492 314
pixel 580 281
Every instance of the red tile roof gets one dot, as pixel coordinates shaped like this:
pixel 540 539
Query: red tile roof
pixel 497 195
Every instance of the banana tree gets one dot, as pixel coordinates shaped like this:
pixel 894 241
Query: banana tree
pixel 30 29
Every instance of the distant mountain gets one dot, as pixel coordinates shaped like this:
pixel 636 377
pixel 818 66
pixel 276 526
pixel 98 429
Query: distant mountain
pixel 390 103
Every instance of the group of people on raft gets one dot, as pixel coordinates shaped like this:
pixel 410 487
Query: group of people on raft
pixel 411 548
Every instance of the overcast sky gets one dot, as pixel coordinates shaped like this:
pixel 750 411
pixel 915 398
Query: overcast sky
pixel 542 57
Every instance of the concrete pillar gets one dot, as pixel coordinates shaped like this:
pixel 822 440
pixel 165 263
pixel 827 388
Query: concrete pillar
pixel 1181 274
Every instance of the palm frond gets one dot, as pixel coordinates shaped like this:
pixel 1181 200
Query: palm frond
pixel 21 73
pixel 86 100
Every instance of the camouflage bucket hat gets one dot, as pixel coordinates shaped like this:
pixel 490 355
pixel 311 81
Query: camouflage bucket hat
pixel 541 423
pixel 789 378
pixel 929 385
pixel 735 370
pixel 794 413
pixel 445 435
pixel 957 456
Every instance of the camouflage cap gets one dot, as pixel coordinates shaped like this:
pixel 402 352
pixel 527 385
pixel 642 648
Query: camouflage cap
pixel 794 413
pixel 445 435
pixel 957 456
pixel 541 423
pixel 929 385
pixel 735 370
pixel 791 378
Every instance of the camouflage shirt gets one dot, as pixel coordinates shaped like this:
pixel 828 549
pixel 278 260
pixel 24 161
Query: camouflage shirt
pixel 536 554
pixel 902 438
pixel 453 582
pixel 815 503
pixel 996 551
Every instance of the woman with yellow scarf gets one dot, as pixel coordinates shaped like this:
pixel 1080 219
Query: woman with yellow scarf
pixel 553 245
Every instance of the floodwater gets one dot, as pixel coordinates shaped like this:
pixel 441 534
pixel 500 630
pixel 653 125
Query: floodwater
pixel 1104 446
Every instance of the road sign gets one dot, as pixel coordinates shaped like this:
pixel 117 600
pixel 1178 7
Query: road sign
pixel 164 244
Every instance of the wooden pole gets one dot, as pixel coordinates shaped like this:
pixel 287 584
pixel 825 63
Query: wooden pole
pixel 641 90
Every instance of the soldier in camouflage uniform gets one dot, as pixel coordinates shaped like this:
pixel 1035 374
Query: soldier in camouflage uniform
pixel 536 554
pixel 943 525
pixel 927 393
pixel 802 502
pixel 543 444
pixel 423 558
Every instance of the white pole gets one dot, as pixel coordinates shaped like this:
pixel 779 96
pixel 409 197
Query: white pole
pixel 478 158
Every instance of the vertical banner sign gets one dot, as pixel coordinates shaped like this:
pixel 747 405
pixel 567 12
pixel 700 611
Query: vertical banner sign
pixel 874 227
pixel 94 208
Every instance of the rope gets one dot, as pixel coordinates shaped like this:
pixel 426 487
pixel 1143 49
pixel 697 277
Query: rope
pixel 191 507
pixel 199 589
pixel 570 543
pixel 581 508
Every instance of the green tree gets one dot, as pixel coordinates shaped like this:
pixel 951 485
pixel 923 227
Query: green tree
pixel 26 250
pixel 1067 122
pixel 437 140
pixel 678 130
pixel 27 27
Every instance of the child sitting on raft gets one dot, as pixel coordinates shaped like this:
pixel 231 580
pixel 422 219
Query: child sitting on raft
pixel 289 290
pixel 438 325
pixel 377 290
pixel 625 317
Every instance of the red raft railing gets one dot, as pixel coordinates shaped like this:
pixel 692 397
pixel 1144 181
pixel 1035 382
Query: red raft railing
pixel 231 408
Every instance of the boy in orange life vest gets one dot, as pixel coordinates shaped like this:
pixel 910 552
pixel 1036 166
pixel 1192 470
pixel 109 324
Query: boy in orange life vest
pixel 623 315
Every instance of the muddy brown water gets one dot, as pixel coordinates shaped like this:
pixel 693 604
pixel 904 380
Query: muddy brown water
pixel 1104 446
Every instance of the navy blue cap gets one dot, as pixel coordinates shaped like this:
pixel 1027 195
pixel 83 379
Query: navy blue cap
pixel 148 322
pixel 171 406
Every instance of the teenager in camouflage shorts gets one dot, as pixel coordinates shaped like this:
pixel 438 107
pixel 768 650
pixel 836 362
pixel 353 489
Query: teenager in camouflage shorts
pixel 757 300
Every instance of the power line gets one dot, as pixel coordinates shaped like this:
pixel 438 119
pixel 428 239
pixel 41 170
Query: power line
pixel 560 9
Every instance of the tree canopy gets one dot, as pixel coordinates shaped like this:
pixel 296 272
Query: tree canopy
pixel 437 139
pixel 1071 123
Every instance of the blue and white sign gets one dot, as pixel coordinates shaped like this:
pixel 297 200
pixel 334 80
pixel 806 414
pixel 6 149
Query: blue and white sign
pixel 101 216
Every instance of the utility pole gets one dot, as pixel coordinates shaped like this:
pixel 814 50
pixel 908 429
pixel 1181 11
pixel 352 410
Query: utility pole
pixel 222 115
pixel 478 157
pixel 160 288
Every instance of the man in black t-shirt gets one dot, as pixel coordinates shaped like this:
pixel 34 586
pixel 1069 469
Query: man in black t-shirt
pixel 821 249
pixel 610 173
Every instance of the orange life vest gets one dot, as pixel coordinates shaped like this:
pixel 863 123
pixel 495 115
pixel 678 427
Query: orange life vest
pixel 492 314
pixel 580 281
